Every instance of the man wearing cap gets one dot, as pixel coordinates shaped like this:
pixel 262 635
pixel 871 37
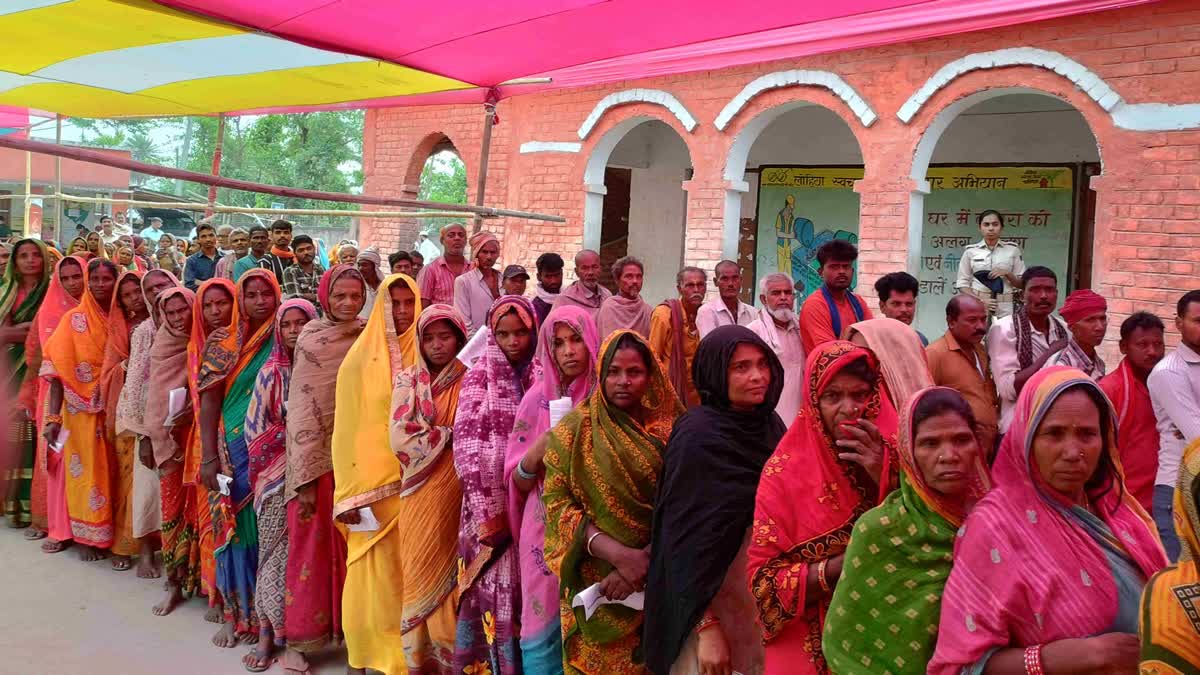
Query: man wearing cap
pixel 477 289
pixel 436 279
pixel 549 283
pixel 626 309
pixel 514 280
pixel 1086 314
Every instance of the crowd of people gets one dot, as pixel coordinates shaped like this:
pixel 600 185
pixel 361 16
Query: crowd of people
pixel 450 475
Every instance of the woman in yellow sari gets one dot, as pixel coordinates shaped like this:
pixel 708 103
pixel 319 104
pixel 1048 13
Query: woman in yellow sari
pixel 369 478
pixel 72 361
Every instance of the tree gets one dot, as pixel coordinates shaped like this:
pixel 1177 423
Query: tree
pixel 443 179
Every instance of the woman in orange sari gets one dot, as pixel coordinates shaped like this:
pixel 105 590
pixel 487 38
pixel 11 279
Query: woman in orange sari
pixel 72 363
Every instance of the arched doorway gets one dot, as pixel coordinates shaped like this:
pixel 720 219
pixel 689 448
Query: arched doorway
pixel 1023 152
pixel 636 204
pixel 435 172
pixel 791 172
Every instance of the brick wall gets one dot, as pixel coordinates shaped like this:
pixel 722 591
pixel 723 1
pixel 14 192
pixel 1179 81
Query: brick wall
pixel 1147 241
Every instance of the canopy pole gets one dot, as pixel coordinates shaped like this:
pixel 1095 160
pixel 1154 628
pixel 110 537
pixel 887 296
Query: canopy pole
pixel 216 164
pixel 25 229
pixel 58 204
pixel 485 150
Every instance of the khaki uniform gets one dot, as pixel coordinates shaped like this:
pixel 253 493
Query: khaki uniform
pixel 978 257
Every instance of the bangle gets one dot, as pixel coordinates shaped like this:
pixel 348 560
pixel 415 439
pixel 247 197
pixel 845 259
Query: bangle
pixel 525 475
pixel 706 623
pixel 589 543
pixel 821 576
pixel 1033 660
pixel 52 418
pixel 208 461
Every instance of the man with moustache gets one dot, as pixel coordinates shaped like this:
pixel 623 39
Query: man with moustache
pixel 436 279
pixel 302 279
pixel 260 243
pixel 586 292
pixel 897 293
pixel 626 309
pixel 1086 314
pixel 778 327
pixel 239 239
pixel 727 308
pixel 833 307
pixel 674 336
pixel 1143 346
pixel 1020 344
pixel 959 361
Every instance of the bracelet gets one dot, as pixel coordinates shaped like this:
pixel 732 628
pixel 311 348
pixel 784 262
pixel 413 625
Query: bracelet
pixel 706 623
pixel 821 576
pixel 208 461
pixel 52 418
pixel 525 475
pixel 1033 660
pixel 589 543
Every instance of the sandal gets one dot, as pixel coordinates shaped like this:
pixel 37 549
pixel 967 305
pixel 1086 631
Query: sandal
pixel 35 533
pixel 122 564
pixel 257 663
pixel 54 546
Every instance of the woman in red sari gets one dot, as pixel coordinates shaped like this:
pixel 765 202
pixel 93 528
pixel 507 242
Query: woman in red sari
pixel 830 468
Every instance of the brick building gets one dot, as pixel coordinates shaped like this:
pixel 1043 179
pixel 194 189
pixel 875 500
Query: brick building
pixel 673 168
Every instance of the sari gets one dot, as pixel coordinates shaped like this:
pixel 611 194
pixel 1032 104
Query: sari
pixel 112 380
pixel 266 440
pixel 52 494
pixel 895 570
pixel 316 559
pixel 232 360
pixel 705 506
pixel 366 474
pixel 541 633
pixel 902 359
pixel 1170 628
pixel 169 355
pixel 17 308
pixel 1031 568
pixel 488 577
pixel 422 550
pixel 74 355
pixel 808 500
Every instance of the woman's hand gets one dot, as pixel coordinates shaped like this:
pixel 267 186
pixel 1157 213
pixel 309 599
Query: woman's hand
pixel 615 587
pixel 307 498
pixel 864 446
pixel 633 564
pixel 1111 653
pixel 351 517
pixel 713 652
pixel 50 432
pixel 14 334
pixel 146 453
pixel 208 474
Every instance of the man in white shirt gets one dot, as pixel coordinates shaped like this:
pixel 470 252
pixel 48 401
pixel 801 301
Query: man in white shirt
pixel 778 327
pixel 153 231
pixel 1086 314
pixel 1175 392
pixel 1020 344
pixel 726 309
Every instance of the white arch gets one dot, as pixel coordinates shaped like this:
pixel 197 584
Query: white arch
pixel 654 96
pixel 793 78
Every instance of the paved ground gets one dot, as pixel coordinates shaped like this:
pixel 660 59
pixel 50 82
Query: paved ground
pixel 60 615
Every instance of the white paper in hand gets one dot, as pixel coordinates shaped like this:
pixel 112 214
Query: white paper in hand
pixel 60 441
pixel 474 347
pixel 176 402
pixel 223 483
pixel 590 599
pixel 367 522
pixel 559 409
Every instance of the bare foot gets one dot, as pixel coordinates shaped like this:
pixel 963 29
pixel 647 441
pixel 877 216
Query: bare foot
pixel 225 637
pixel 121 563
pixel 214 615
pixel 293 662
pixel 53 546
pixel 169 603
pixel 247 638
pixel 34 533
pixel 147 567
pixel 92 554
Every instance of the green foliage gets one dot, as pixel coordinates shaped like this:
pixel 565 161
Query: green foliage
pixel 443 179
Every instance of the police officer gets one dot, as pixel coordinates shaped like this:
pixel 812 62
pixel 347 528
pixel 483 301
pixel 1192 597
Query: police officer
pixel 1000 260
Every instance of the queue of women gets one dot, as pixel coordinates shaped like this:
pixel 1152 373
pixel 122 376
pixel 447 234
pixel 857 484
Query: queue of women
pixel 316 477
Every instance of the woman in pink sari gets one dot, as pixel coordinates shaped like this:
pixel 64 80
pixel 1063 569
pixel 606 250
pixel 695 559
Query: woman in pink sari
pixel 567 346
pixel 1049 567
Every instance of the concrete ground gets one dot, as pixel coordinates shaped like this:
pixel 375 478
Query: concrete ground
pixel 60 615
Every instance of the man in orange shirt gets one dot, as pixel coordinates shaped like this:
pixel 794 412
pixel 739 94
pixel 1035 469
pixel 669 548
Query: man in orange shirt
pixel 827 312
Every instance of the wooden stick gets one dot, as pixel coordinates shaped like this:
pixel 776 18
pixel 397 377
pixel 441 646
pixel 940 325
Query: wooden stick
pixel 191 206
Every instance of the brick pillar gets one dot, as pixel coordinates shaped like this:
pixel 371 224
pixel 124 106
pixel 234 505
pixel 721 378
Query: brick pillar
pixel 883 227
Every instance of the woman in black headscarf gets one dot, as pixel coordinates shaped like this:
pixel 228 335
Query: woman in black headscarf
pixel 700 616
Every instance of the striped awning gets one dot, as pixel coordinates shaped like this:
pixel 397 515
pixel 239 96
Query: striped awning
pixel 113 58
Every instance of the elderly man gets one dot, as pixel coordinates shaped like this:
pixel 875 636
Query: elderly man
pixel 1020 344
pixel 586 292
pixel 726 309
pixel 436 279
pixel 897 293
pixel 224 232
pixel 833 307
pixel 239 239
pixel 368 263
pixel 959 361
pixel 778 326
pixel 514 280
pixel 626 309
pixel 673 333
pixel 1086 314
pixel 549 284
pixel 1143 347
pixel 476 290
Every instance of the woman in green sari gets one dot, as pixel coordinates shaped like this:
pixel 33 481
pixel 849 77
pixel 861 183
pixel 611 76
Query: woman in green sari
pixel 885 610
pixel 22 289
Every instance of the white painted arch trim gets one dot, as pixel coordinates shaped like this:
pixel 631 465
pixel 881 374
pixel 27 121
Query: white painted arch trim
pixel 795 78
pixel 653 96
pixel 530 147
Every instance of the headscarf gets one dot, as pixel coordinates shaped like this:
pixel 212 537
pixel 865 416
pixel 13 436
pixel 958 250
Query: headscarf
pixel 322 346
pixel 1170 634
pixel 75 352
pixel 1080 305
pixel 1031 567
pixel 116 351
pixel 195 354
pixel 169 358
pixel 907 545
pixel 901 357
pixel 228 350
pixel 132 403
pixel 479 240
pixel 54 306
pixel 808 499
pixel 705 505
pixel 85 250
pixel 266 416
pixel 372 256
pixel 13 313
pixel 364 468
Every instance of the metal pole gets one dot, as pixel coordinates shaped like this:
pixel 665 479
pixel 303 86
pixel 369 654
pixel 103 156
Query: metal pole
pixel 216 164
pixel 489 119
pixel 58 204
pixel 28 199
